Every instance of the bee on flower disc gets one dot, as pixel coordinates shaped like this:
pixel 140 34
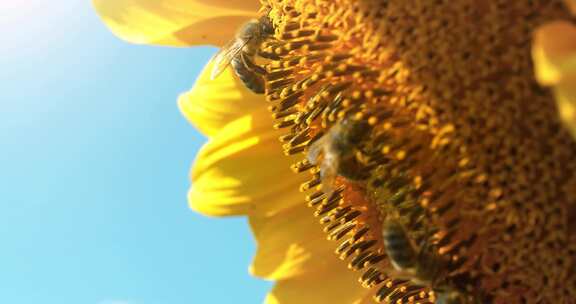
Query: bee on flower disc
pixel 334 152
pixel 240 53
pixel 420 264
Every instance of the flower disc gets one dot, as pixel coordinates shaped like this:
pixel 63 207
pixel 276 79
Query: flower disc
pixel 428 112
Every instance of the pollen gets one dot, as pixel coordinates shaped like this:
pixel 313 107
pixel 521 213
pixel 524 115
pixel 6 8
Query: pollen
pixel 427 112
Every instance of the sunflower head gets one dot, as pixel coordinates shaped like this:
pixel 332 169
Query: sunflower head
pixel 431 158
pixel 426 114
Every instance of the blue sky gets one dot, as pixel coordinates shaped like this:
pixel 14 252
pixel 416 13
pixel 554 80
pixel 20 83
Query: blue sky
pixel 94 160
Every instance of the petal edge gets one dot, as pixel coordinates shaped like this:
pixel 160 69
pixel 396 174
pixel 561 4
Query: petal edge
pixel 175 22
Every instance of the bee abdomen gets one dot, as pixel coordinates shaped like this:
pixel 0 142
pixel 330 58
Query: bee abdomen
pixel 398 246
pixel 253 81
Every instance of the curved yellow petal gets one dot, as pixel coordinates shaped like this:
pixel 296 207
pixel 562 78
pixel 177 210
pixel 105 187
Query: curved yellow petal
pixel 211 104
pixel 554 52
pixel 175 22
pixel 566 100
pixel 334 284
pixel 289 244
pixel 241 170
pixel 571 4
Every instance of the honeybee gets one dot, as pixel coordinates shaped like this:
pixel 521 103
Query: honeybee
pixel 421 265
pixel 334 152
pixel 240 53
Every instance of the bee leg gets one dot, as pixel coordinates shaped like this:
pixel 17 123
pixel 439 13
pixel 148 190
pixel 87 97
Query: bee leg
pixel 251 65
pixel 268 51
pixel 268 55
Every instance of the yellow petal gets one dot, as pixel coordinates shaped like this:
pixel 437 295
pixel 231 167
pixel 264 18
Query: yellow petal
pixel 334 285
pixel 289 244
pixel 242 170
pixel 211 104
pixel 566 100
pixel 554 52
pixel 175 22
pixel 571 4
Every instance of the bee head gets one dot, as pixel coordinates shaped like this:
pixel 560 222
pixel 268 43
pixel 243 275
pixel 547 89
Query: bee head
pixel 265 22
pixel 266 25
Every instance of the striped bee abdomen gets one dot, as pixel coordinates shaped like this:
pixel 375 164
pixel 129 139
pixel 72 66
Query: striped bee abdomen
pixel 251 79
pixel 402 253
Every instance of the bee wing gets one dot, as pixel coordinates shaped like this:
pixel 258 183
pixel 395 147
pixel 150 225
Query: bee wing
pixel 328 172
pixel 224 57
pixel 315 149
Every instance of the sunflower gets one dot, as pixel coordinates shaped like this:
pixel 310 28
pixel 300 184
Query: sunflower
pixel 423 115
